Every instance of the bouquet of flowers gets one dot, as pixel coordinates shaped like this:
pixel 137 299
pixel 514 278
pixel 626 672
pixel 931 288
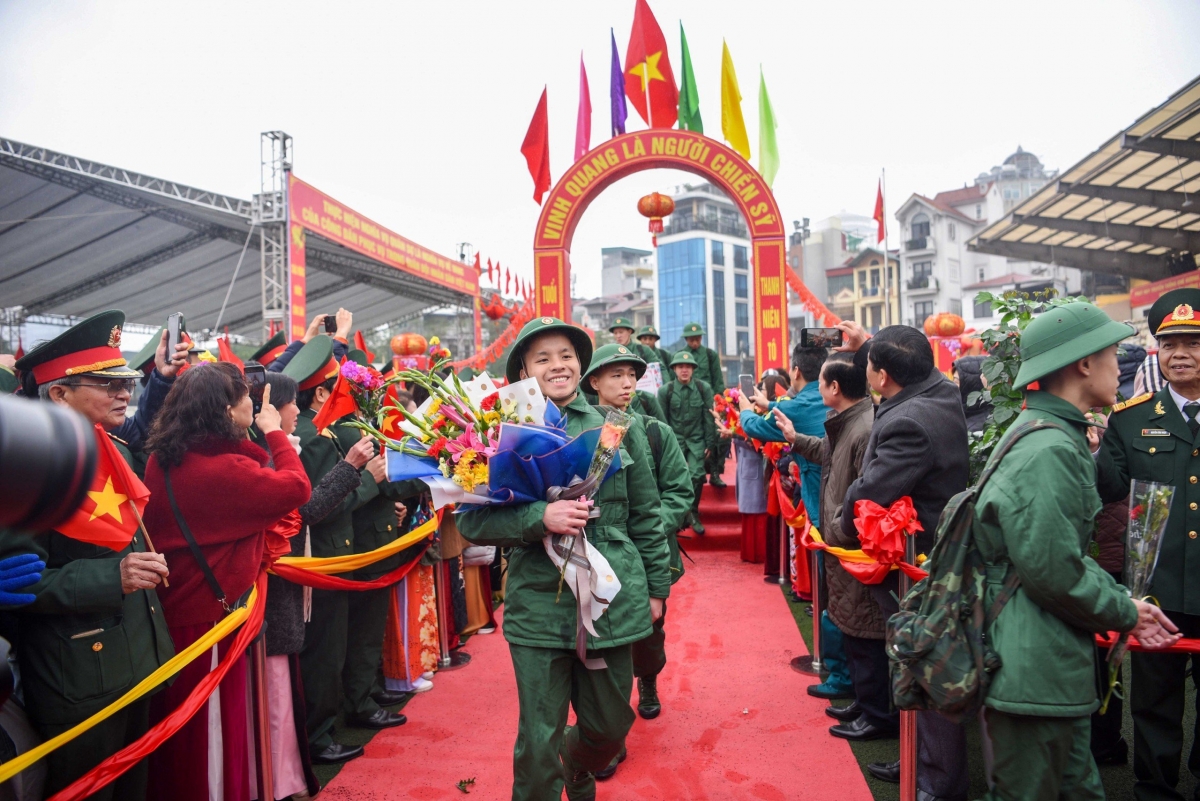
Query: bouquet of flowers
pixel 360 390
pixel 1149 510
pixel 726 406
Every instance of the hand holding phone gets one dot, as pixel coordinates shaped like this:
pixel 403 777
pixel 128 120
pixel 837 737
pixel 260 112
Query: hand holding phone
pixel 820 338
pixel 176 327
pixel 256 380
pixel 330 324
pixel 746 385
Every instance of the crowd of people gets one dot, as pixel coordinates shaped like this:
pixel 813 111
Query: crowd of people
pixel 237 483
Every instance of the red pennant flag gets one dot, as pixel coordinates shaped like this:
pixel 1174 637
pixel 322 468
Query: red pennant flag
pixel 536 149
pixel 878 216
pixel 225 354
pixel 649 81
pixel 490 281
pixel 583 118
pixel 478 268
pixel 507 281
pixel 339 404
pixel 361 344
pixel 110 514
pixel 20 347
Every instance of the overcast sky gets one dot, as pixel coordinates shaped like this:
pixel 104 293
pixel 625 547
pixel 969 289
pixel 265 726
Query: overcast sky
pixel 413 114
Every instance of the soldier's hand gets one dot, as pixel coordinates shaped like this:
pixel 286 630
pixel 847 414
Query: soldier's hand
pixel 142 571
pixel 656 609
pixel 169 368
pixel 854 336
pixel 377 467
pixel 565 517
pixel 1095 433
pixel 361 452
pixel 785 425
pixel 1154 629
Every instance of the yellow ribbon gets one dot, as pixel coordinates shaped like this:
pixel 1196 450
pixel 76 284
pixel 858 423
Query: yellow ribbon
pixel 164 672
pixel 844 554
pixel 353 561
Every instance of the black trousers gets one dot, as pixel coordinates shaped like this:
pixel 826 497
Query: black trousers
pixel 1106 728
pixel 1157 706
pixel 66 764
pixel 872 682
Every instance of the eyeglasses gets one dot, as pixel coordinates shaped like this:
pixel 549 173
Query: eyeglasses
pixel 114 387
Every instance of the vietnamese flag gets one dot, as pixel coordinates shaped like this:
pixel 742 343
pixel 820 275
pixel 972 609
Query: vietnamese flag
pixel 112 510
pixel 225 354
pixel 649 81
pixel 536 149
pixel 361 344
pixel 878 215
pixel 339 404
pixel 391 419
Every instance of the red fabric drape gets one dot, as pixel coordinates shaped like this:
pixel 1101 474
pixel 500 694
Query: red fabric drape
pixel 323 582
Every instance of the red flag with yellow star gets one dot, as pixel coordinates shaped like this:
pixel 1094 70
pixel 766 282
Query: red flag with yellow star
pixel 106 516
pixel 649 81
pixel 392 420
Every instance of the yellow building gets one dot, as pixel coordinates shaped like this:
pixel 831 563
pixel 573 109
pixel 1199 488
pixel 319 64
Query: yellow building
pixel 872 291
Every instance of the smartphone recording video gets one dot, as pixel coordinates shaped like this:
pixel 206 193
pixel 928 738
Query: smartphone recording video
pixel 820 337
pixel 746 385
pixel 256 379
pixel 330 324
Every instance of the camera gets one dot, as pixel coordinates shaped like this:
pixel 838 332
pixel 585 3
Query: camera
pixel 47 463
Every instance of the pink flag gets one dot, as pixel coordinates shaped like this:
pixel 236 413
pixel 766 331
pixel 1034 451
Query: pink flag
pixel 583 120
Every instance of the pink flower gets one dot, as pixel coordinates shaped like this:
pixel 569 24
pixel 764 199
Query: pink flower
pixel 469 440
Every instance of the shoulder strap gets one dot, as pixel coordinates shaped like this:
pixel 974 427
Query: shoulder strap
pixel 198 554
pixel 655 437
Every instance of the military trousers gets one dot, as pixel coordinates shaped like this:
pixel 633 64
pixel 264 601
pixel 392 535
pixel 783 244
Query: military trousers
pixel 322 661
pixel 715 464
pixel 548 679
pixel 364 650
pixel 1042 759
pixel 66 764
pixel 1158 685
pixel 650 654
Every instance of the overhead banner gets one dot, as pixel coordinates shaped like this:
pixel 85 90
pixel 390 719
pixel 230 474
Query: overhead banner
pixel 329 219
pixel 1146 294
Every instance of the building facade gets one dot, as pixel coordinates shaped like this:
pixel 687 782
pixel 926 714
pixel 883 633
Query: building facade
pixel 625 270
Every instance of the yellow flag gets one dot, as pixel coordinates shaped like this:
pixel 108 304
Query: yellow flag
pixel 732 124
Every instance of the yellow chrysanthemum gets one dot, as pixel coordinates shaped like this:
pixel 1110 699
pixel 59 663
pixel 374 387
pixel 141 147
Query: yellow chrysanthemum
pixel 434 405
pixel 435 340
pixel 480 474
pixel 464 471
pixel 491 418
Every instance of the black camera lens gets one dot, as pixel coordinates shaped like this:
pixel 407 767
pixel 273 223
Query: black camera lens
pixel 47 462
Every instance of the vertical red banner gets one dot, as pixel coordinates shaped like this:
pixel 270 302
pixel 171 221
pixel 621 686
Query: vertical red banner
pixel 551 297
pixel 296 283
pixel 770 305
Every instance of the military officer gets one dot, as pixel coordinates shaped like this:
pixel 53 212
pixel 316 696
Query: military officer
pixel 708 370
pixel 542 632
pixel 1156 437
pixel 622 330
pixel 648 336
pixel 323 658
pixel 96 628
pixel 686 402
pixel 270 350
pixel 613 374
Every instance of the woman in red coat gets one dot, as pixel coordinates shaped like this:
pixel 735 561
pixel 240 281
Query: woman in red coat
pixel 227 491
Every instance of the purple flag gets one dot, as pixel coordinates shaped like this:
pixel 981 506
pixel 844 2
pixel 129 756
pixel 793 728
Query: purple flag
pixel 617 90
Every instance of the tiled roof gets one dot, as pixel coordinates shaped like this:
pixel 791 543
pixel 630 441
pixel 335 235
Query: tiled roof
pixel 959 197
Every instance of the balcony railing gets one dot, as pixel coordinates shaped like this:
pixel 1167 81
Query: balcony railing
pixel 923 282
pixel 868 291
pixel 679 225
pixel 920 243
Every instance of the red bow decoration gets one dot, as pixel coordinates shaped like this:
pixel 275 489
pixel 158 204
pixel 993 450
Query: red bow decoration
pixel 882 531
pixel 278 538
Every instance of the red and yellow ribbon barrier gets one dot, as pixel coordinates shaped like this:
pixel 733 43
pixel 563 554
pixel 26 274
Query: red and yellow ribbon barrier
pixel 315 571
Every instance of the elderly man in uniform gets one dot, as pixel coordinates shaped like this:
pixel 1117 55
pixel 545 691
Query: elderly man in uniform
pixel 96 628
pixel 1156 437
pixel 648 336
pixel 686 402
pixel 708 370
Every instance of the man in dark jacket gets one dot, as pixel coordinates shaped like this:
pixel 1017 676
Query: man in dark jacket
pixel 968 376
pixel 918 448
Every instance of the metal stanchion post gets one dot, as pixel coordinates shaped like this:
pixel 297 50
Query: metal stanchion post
pixel 908 718
pixel 447 659
pixel 785 553
pixel 262 717
pixel 811 664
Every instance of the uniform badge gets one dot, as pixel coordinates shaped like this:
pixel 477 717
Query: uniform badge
pixel 1158 408
pixel 1182 312
pixel 622 349
pixel 114 337
pixel 547 320
pixel 1155 432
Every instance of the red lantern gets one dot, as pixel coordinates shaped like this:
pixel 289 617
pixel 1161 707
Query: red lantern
pixel 409 345
pixel 944 324
pixel 655 206
pixel 495 308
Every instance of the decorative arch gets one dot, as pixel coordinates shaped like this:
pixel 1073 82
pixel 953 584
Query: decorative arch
pixel 681 150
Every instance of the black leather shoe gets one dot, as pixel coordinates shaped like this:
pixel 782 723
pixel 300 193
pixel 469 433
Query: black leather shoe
pixel 336 753
pixel 859 730
pixel 885 771
pixel 819 691
pixel 611 770
pixel 388 698
pixel 768 579
pixel 382 719
pixel 844 713
pixel 1117 755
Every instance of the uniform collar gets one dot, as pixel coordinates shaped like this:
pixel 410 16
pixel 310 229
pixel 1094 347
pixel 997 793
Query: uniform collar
pixel 1040 401
pixel 1169 414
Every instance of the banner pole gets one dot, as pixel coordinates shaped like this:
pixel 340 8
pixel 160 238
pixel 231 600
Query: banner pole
pixel 262 718
pixel 785 554
pixel 908 718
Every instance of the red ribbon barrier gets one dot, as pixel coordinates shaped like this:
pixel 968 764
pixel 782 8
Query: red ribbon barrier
pixel 322 581
pixel 1183 646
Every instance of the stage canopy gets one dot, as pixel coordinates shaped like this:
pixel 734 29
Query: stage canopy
pixel 77 237
pixel 1130 208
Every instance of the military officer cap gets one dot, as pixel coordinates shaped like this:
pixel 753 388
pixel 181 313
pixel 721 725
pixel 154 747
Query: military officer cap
pixel 546 325
pixel 314 364
pixel 8 381
pixel 1063 335
pixel 648 331
pixel 683 357
pixel 615 354
pixel 621 322
pixel 692 330
pixel 1176 312
pixel 358 357
pixel 144 361
pixel 388 368
pixel 92 347
pixel 270 350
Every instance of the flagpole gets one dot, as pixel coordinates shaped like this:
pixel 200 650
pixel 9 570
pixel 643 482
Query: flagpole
pixel 887 268
pixel 146 534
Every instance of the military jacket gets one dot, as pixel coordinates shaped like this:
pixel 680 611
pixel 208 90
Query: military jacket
pixel 647 354
pixel 83 643
pixel 664 358
pixel 646 403
pixel 686 410
pixel 628 533
pixel 708 369
pixel 1036 516
pixel 674 485
pixel 319 452
pixel 1148 439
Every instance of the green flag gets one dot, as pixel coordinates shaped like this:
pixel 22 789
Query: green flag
pixel 768 150
pixel 689 99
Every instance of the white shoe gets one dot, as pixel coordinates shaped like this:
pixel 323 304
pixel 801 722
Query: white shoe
pixel 422 686
pixel 487 630
pixel 427 675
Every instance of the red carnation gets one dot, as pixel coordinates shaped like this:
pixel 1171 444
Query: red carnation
pixel 439 445
pixel 489 403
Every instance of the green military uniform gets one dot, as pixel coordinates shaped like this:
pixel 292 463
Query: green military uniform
pixel 708 370
pixel 542 631
pixel 646 404
pixel 1148 438
pixel 1036 516
pixel 686 410
pixel 644 353
pixel 83 643
pixel 651 333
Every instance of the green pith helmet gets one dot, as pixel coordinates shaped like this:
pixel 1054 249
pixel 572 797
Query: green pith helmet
pixel 313 364
pixel 614 354
pixel 692 330
pixel 270 350
pixel 358 357
pixel 547 325
pixel 621 322
pixel 683 357
pixel 92 347
pixel 1063 335
pixel 1176 312
pixel 648 331
pixel 145 356
pixel 8 381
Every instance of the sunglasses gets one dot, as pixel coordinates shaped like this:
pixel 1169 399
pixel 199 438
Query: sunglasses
pixel 114 387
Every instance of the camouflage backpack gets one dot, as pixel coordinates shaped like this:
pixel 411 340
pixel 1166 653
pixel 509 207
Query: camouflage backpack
pixel 937 643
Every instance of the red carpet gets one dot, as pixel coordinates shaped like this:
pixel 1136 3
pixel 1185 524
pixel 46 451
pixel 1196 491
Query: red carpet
pixel 736 721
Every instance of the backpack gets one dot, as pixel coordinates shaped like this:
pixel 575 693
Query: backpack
pixel 937 643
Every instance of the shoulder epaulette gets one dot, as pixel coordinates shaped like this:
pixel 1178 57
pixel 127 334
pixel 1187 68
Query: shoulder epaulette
pixel 115 438
pixel 1123 405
